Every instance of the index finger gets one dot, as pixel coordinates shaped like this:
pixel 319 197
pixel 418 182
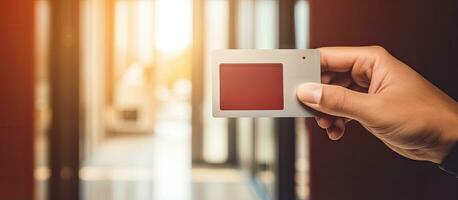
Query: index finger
pixel 344 59
pixel 359 61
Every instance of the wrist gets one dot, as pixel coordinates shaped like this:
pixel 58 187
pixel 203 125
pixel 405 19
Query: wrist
pixel 448 138
pixel 450 162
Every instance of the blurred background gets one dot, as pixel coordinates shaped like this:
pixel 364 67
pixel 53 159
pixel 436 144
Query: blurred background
pixel 123 100
pixel 110 100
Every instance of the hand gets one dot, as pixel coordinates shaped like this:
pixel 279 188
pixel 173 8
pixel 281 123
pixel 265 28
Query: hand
pixel 393 102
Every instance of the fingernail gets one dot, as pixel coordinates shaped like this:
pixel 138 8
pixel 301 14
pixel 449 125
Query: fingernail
pixel 310 92
pixel 334 136
pixel 336 130
pixel 331 133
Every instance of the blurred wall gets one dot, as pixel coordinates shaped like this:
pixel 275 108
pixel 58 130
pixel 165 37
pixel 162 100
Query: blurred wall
pixel 16 99
pixel 423 34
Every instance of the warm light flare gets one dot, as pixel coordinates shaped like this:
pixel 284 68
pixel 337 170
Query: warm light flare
pixel 174 25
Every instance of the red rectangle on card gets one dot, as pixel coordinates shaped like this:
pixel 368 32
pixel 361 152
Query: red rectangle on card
pixel 251 86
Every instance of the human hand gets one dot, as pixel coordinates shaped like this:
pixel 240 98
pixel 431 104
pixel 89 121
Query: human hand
pixel 393 102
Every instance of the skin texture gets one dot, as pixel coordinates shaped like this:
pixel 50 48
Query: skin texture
pixel 393 102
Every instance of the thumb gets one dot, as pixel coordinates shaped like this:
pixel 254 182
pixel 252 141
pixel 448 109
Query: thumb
pixel 336 100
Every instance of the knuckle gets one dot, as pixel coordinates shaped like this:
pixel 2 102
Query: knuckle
pixel 378 50
pixel 340 98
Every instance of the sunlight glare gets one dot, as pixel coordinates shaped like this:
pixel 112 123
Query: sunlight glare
pixel 174 25
pixel 121 32
pixel 144 30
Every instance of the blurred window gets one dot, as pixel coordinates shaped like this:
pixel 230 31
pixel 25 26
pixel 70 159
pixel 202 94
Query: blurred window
pixel 42 101
pixel 266 37
pixel 215 136
pixel 301 20
pixel 136 93
pixel 301 17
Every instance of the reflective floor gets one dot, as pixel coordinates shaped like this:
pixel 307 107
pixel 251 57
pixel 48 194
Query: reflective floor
pixel 157 166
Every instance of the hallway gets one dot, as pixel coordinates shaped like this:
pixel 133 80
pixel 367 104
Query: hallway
pixel 157 166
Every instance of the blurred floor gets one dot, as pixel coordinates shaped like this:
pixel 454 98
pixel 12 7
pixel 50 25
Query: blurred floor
pixel 157 166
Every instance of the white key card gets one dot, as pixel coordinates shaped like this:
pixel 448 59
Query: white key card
pixel 262 83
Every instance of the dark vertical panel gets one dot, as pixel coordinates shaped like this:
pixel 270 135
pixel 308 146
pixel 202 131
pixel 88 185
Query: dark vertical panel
pixel 285 127
pixel 232 142
pixel 286 24
pixel 286 155
pixel 64 73
pixel 16 99
pixel 253 154
pixel 197 80
pixel 232 122
pixel 424 35
pixel 233 12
